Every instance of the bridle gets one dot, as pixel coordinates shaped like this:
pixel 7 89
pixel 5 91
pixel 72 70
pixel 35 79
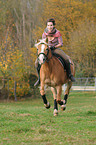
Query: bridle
pixel 45 55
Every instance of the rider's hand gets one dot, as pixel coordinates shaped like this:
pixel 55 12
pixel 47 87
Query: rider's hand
pixel 52 48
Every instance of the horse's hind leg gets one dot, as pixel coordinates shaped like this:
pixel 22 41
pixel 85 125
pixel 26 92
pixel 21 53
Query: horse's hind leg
pixel 59 101
pixel 55 113
pixel 69 84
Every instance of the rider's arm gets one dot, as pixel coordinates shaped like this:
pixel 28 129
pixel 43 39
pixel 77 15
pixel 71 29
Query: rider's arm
pixel 60 42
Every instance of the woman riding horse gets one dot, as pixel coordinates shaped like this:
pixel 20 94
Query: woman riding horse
pixel 55 42
pixel 52 74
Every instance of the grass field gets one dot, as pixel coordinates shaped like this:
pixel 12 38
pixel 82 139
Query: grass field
pixel 27 122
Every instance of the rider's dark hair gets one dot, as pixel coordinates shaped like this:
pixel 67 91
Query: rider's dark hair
pixel 51 20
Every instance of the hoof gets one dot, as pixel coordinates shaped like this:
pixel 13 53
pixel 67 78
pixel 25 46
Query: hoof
pixel 55 113
pixel 47 106
pixel 63 107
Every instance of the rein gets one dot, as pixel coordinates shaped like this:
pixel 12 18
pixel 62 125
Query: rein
pixel 46 56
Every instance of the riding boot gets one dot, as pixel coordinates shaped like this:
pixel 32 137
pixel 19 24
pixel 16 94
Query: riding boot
pixel 38 72
pixel 68 69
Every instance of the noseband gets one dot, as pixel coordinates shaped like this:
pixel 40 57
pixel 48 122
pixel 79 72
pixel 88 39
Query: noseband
pixel 45 55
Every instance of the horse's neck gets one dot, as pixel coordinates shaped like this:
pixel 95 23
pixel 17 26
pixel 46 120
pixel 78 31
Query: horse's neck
pixel 48 65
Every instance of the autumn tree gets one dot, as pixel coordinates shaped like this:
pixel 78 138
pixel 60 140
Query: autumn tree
pixel 76 21
pixel 17 21
pixel 82 49
pixel 23 21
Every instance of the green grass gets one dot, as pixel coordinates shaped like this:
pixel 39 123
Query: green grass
pixel 27 122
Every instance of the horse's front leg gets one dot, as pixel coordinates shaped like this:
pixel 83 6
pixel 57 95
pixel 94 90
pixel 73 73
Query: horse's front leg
pixel 55 113
pixel 59 90
pixel 59 101
pixel 42 91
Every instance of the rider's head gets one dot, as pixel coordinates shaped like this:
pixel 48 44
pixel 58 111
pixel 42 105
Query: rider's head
pixel 51 20
pixel 50 24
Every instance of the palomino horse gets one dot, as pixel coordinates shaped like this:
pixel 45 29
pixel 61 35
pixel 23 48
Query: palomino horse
pixel 52 74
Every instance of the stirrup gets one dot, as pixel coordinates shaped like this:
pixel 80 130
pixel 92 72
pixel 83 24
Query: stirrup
pixel 37 83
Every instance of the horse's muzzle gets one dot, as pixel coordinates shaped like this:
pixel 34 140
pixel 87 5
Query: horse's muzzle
pixel 41 59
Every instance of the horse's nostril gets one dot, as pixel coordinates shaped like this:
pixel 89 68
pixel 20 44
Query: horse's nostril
pixel 43 59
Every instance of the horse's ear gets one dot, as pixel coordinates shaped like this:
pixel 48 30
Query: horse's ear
pixel 35 45
pixel 37 41
pixel 46 40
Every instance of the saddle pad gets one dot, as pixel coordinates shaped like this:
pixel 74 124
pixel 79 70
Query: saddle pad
pixel 62 61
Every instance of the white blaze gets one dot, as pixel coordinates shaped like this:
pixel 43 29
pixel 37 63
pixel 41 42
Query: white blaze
pixel 42 48
pixel 41 57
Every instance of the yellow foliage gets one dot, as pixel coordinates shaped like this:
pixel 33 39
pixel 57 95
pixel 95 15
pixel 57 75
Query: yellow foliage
pixel 68 14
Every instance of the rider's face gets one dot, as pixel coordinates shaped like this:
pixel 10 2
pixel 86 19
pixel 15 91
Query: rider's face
pixel 50 26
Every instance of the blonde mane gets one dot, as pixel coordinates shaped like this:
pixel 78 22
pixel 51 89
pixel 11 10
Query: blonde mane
pixel 41 41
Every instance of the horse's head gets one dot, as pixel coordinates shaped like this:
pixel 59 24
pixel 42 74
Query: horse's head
pixel 43 50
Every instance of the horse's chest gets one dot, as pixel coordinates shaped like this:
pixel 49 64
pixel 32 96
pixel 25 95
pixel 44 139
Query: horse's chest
pixel 50 82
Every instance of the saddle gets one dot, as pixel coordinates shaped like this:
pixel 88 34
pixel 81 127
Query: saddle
pixel 61 60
